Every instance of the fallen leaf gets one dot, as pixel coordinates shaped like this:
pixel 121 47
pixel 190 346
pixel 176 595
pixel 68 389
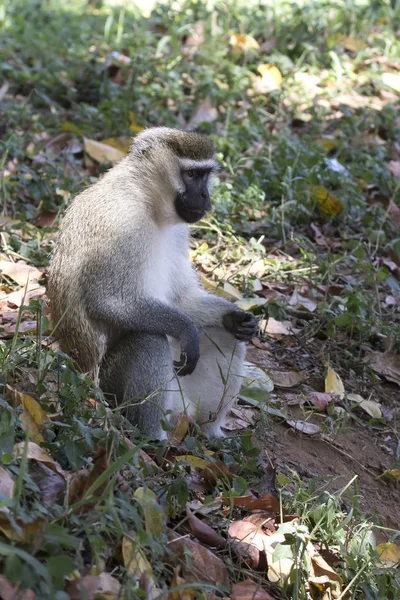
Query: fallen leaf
pixel 6 487
pixel 185 593
pixel 320 400
pixel 91 587
pixel 329 204
pixel 35 452
pixel 154 516
pixel 270 79
pixel 135 560
pixel 392 80
pixel 392 474
pixel 385 364
pixel 23 295
pixel 287 379
pixel 102 152
pixel 394 167
pixel 123 144
pixel 302 302
pixel 20 272
pixel 194 461
pixel 389 554
pixel 180 430
pixel 226 290
pixel 33 416
pixel 8 591
pixel 251 303
pixel 46 218
pixel 394 212
pixel 322 568
pixel 203 532
pixel 333 383
pixel 279 571
pixel 203 565
pixel 244 42
pixel 351 43
pixel 255 379
pixel 370 406
pixel 304 426
pixel 277 328
pixel 205 112
pixel 249 590
pixel 71 127
pixel 52 485
pixel 26 531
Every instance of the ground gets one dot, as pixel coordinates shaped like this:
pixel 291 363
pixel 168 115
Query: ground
pixel 301 499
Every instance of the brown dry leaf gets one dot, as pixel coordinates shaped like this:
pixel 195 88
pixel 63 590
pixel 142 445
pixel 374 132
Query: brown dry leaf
pixel 195 38
pixel 266 502
pixel 147 459
pixel 333 383
pixel 370 406
pixel 394 167
pixel 33 416
pixel 8 591
pixel 389 554
pixel 6 487
pixel 277 328
pixel 214 471
pixel 320 400
pixel 100 464
pixel 205 112
pixel 77 482
pixel 51 485
pixel 270 79
pixel 23 295
pixel 26 533
pixel 180 430
pixel 20 272
pixel 203 566
pixel 183 594
pixel 241 418
pixel 91 587
pixel 394 212
pixel 322 568
pixel 329 204
pixel 249 590
pixel 385 364
pixel 287 379
pixel 304 426
pixel 248 533
pixel 244 42
pixel 46 218
pixel 302 302
pixel 22 327
pixel 102 152
pixel 135 560
pixel 35 452
pixel 203 532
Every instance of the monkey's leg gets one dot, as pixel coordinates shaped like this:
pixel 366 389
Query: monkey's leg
pixel 215 383
pixel 136 373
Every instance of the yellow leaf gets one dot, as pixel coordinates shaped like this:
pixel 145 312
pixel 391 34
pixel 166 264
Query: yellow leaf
pixel 244 42
pixel 226 290
pixel 333 383
pixel 271 78
pixel 122 143
pixel 329 204
pixel 194 461
pixel 180 429
pixel 351 43
pixel 33 416
pixel 251 303
pixel 392 80
pixel 135 561
pixel 154 517
pixel 27 530
pixel 71 127
pixel 393 473
pixel 101 152
pixel 39 454
pixel 133 125
pixel 327 143
pixel 186 593
pixel 370 406
pixel 389 553
pixel 279 571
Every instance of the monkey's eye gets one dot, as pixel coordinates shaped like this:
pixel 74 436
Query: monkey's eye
pixel 190 173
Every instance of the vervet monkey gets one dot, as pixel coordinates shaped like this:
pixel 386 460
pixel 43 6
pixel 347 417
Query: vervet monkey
pixel 126 298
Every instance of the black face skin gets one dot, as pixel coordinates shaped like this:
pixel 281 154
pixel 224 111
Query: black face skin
pixel 192 204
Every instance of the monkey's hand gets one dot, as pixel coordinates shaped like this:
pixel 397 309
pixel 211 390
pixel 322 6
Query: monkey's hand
pixel 190 353
pixel 243 325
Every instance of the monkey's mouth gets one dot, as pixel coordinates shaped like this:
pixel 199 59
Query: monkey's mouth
pixel 191 215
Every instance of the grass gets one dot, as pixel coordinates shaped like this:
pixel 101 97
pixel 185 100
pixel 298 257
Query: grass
pixel 307 190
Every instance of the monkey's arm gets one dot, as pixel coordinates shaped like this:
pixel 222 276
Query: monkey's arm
pixel 149 315
pixel 208 310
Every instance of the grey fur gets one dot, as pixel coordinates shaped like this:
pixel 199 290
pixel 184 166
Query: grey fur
pixel 121 282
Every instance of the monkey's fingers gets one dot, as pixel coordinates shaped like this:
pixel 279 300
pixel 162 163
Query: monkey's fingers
pixel 183 366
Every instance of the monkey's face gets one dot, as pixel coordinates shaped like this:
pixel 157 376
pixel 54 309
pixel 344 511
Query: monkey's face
pixel 193 202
